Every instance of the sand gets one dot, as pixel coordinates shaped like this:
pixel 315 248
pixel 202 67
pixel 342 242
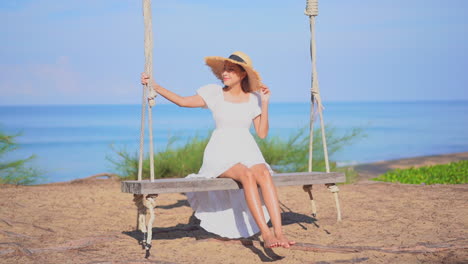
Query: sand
pixel 91 221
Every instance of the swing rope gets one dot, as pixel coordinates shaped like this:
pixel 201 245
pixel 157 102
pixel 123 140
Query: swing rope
pixel 146 203
pixel 148 93
pixel 312 11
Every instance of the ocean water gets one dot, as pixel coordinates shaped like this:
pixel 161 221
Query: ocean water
pixel 74 141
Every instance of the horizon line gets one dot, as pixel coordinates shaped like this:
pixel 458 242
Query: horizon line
pixel 277 102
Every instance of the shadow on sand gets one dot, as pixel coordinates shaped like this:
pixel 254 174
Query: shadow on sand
pixel 192 229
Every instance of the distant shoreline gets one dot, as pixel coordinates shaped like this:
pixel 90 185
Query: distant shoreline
pixel 371 170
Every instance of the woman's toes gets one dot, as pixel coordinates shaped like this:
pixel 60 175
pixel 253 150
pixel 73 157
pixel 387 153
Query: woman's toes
pixel 285 242
pixel 270 242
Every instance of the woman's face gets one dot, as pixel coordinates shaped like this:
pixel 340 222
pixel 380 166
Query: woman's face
pixel 232 74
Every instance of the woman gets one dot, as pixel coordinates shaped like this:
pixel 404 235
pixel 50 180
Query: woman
pixel 233 153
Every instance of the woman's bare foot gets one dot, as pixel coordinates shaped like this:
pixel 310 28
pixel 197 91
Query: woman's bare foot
pixel 284 241
pixel 270 241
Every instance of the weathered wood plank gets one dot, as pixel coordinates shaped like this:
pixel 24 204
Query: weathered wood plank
pixel 179 185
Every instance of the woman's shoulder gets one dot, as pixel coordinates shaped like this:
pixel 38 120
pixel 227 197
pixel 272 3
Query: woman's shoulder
pixel 210 89
pixel 211 86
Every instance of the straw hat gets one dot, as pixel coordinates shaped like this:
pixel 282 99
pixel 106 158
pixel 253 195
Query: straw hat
pixel 217 66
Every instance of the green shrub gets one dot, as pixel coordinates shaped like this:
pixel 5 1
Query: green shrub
pixel 290 155
pixel 17 171
pixel 173 162
pixel 452 173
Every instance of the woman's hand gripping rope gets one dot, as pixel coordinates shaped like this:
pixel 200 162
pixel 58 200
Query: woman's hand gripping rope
pixel 151 90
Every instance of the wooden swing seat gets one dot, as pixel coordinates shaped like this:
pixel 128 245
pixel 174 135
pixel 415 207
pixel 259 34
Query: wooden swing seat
pixel 182 185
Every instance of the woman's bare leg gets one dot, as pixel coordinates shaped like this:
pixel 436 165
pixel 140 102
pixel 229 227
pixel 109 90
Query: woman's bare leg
pixel 243 175
pixel 270 197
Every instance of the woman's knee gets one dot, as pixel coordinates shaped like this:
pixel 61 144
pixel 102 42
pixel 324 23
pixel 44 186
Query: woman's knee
pixel 263 175
pixel 247 177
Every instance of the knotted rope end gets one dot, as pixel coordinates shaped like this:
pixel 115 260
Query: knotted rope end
pixel 151 96
pixel 311 8
pixel 333 188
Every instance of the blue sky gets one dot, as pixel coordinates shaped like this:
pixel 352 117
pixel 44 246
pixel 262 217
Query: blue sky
pixel 91 52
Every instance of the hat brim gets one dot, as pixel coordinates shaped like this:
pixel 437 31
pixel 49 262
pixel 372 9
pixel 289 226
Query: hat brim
pixel 216 64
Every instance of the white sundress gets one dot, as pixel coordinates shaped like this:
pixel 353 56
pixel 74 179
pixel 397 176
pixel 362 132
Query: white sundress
pixel 225 213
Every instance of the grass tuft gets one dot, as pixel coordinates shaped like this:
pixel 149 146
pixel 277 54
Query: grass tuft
pixel 17 172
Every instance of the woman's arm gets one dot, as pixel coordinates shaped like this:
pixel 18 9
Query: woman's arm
pixel 261 121
pixel 184 101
